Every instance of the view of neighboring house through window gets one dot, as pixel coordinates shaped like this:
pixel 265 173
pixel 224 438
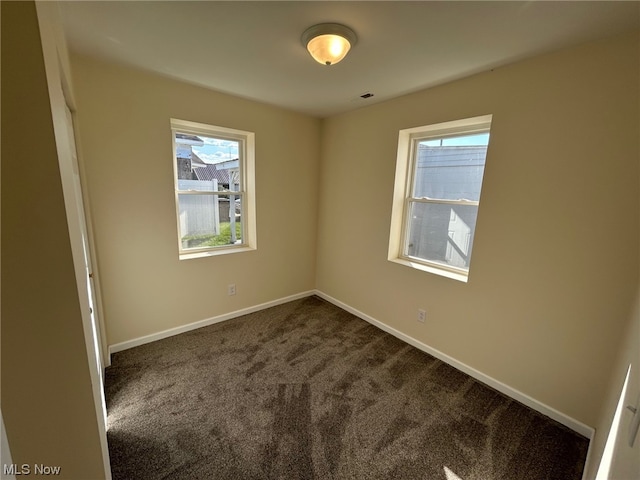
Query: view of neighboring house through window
pixel 211 165
pixel 440 171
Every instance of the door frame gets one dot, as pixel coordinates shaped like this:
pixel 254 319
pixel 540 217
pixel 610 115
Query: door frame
pixel 58 73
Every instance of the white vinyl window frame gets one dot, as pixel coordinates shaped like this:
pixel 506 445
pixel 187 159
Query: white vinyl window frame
pixel 408 140
pixel 246 190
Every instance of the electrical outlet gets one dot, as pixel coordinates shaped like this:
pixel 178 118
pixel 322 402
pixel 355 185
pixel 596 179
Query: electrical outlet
pixel 422 315
pixel 231 289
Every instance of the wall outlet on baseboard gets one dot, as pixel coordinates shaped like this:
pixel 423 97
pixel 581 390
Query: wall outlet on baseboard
pixel 422 315
pixel 231 289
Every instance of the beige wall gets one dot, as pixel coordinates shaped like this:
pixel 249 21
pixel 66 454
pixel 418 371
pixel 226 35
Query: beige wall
pixel 47 402
pixel 625 460
pixel 125 144
pixel 555 260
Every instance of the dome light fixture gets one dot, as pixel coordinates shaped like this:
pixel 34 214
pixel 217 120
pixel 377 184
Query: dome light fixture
pixel 328 43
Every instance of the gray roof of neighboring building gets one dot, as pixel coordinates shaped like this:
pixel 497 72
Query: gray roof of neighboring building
pixel 210 172
pixel 191 138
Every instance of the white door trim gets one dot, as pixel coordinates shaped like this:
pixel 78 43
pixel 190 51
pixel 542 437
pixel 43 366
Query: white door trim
pixel 57 68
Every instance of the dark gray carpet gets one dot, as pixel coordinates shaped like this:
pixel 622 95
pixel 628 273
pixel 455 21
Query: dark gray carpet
pixel 306 390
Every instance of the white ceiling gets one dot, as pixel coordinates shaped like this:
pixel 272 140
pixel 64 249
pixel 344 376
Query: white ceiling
pixel 253 49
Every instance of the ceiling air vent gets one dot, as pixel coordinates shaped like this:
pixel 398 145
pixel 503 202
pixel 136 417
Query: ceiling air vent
pixel 361 97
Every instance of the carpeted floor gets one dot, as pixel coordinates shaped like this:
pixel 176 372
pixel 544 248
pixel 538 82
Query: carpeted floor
pixel 306 390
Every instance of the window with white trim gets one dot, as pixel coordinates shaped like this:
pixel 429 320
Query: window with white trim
pixel 438 182
pixel 214 189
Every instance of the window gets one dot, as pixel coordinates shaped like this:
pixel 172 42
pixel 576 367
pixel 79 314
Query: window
pixel 438 182
pixel 214 189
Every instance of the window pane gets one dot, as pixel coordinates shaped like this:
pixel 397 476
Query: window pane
pixel 207 164
pixel 442 233
pixel 450 168
pixel 210 220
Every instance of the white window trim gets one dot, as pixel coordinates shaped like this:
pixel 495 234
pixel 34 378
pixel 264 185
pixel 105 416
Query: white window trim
pixel 403 186
pixel 247 187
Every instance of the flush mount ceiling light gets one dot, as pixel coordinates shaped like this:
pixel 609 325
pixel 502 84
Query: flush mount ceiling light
pixel 328 43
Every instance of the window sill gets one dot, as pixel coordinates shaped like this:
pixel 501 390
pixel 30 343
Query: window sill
pixel 217 251
pixel 460 277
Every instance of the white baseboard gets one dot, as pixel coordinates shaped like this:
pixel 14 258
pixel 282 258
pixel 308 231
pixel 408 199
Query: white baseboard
pixel 118 347
pixel 523 398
